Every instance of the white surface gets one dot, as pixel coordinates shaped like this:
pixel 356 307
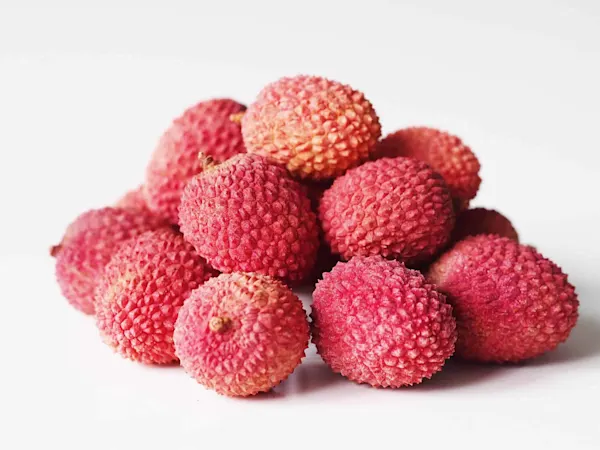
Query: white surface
pixel 84 94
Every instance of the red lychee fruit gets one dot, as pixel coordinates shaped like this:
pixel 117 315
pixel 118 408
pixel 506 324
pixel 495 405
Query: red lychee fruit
pixel 88 245
pixel 445 153
pixel 141 291
pixel 247 215
pixel 510 302
pixel 241 334
pixel 317 128
pixel 377 322
pixel 472 222
pixel 207 128
pixel 393 207
pixel 134 200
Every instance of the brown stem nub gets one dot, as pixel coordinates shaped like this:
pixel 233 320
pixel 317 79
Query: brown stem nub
pixel 55 250
pixel 219 324
pixel 237 117
pixel 207 161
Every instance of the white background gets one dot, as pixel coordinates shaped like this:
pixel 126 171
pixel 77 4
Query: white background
pixel 86 91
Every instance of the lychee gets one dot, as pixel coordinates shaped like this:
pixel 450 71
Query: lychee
pixel 377 322
pixel 207 128
pixel 472 222
pixel 394 207
pixel 510 302
pixel 140 293
pixel 248 215
pixel 316 127
pixel 88 245
pixel 445 153
pixel 134 200
pixel 241 334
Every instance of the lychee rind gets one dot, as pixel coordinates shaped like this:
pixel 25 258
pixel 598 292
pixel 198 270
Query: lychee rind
pixel 141 291
pixel 316 127
pixel 377 322
pixel 472 222
pixel 510 303
pixel 134 200
pixel 241 334
pixel 393 207
pixel 444 152
pixel 249 215
pixel 205 128
pixel 87 246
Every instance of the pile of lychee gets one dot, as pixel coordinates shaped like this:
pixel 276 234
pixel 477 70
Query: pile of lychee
pixel 239 206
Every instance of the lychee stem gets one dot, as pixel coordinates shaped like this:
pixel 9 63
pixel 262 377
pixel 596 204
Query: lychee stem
pixel 207 162
pixel 237 117
pixel 219 324
pixel 55 250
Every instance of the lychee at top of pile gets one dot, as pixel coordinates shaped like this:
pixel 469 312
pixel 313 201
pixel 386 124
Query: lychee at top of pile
pixel 196 266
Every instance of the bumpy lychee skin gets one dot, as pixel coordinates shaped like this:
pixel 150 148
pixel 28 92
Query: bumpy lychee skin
pixel 248 215
pixel 510 303
pixel 241 334
pixel 445 153
pixel 483 221
pixel 207 128
pixel 141 291
pixel 88 245
pixel 393 207
pixel 377 322
pixel 134 200
pixel 317 128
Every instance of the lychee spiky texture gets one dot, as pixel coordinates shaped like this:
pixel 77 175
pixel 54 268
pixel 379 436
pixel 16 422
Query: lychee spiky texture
pixel 472 222
pixel 393 207
pixel 445 153
pixel 377 322
pixel 510 302
pixel 316 127
pixel 248 215
pixel 141 291
pixel 88 245
pixel 134 200
pixel 207 128
pixel 241 334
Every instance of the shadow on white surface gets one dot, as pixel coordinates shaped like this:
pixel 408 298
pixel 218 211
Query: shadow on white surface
pixel 315 375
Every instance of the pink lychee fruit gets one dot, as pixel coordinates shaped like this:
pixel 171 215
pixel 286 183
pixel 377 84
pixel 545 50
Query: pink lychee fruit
pixel 87 246
pixel 248 215
pixel 133 199
pixel 393 207
pixel 206 127
pixel 377 322
pixel 510 303
pixel 316 127
pixel 472 222
pixel 141 291
pixel 241 334
pixel 444 152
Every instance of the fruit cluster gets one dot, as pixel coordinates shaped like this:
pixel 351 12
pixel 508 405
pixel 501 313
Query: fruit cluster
pixel 239 205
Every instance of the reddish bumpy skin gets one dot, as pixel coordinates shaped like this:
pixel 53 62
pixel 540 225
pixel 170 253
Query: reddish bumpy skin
pixel 377 322
pixel 445 153
pixel 510 302
pixel 133 200
pixel 207 128
pixel 241 334
pixel 317 128
pixel 248 215
pixel 394 207
pixel 483 221
pixel 88 245
pixel 140 294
